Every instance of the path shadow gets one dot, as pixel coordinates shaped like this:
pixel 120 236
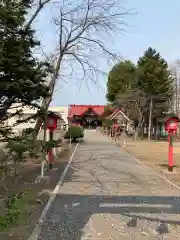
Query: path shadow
pixel 70 213
pixel 165 165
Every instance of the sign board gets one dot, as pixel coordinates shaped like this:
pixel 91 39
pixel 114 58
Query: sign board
pixel 116 125
pixel 51 123
pixel 171 124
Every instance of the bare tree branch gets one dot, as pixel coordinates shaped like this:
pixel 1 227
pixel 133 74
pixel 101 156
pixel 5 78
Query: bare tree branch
pixel 175 74
pixel 39 7
pixel 84 26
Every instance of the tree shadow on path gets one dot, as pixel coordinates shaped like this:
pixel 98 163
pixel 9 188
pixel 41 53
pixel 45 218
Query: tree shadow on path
pixel 70 213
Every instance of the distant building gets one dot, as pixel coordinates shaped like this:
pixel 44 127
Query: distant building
pixel 119 117
pixel 88 116
pixel 28 112
pixel 62 110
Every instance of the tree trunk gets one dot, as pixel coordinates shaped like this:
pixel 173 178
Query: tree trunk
pixel 142 130
pixel 44 145
pixel 46 102
pixel 15 166
pixel 150 119
pixel 139 127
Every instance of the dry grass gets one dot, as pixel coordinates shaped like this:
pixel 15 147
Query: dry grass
pixel 37 196
pixel 154 154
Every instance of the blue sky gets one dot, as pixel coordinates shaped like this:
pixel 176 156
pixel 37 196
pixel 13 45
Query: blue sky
pixel 156 25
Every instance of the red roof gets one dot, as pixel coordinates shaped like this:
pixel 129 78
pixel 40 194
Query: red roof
pixel 79 110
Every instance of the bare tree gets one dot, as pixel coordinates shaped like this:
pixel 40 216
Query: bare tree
pixel 175 73
pixel 83 27
pixel 135 102
pixel 39 5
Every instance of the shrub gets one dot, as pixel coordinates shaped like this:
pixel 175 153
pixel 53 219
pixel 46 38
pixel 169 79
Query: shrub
pixel 17 145
pixel 14 207
pixel 74 132
pixel 50 144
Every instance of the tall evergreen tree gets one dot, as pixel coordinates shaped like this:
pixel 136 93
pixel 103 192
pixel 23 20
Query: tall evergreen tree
pixel 155 80
pixel 22 76
pixel 121 79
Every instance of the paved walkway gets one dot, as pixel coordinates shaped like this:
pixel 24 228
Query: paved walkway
pixel 108 195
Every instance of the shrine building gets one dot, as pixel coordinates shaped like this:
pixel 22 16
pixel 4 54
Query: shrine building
pixel 87 116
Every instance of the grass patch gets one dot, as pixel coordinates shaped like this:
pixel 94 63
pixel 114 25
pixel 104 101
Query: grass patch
pixel 14 208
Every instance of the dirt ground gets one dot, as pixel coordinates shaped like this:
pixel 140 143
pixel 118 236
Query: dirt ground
pixel 154 154
pixel 37 194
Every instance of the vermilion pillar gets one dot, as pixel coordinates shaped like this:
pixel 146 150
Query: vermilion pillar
pixel 50 151
pixel 170 155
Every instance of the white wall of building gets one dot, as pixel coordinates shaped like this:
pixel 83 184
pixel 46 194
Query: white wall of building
pixel 27 112
pixel 63 110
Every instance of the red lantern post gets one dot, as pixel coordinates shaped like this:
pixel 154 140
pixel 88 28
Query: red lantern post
pixel 171 127
pixel 51 125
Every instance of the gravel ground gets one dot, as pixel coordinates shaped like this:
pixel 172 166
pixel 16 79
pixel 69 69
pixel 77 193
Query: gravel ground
pixel 108 195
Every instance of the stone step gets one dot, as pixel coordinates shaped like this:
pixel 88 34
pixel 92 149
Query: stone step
pixel 156 228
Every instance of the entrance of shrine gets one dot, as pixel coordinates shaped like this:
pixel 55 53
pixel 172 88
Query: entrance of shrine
pixel 89 120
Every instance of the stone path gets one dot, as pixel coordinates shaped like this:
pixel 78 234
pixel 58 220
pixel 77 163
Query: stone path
pixel 107 195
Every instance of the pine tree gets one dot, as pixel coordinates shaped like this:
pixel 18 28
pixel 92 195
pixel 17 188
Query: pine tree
pixel 22 76
pixel 154 80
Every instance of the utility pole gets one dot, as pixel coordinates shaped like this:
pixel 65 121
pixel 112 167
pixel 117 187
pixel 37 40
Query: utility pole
pixel 150 119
